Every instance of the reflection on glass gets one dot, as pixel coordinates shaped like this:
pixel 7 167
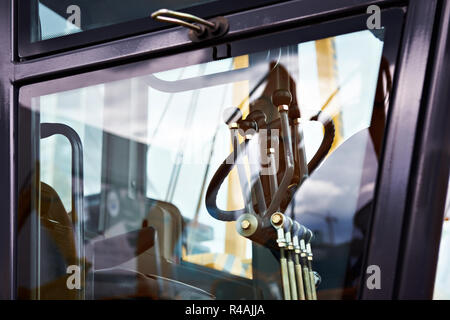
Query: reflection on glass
pixel 57 18
pixel 151 146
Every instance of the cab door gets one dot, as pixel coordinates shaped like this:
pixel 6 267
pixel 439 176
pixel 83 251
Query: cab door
pixel 124 189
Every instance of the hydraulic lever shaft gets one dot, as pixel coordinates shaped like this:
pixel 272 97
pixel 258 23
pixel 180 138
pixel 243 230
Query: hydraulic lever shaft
pixel 282 98
pixel 278 221
pixel 311 273
pixel 305 271
pixel 298 274
pixel 289 160
pixel 305 245
pixel 284 275
pixel 273 180
pixel 313 281
pixel 297 232
pixel 292 280
pixel 290 261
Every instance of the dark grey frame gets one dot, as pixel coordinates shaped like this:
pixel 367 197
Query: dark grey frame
pixel 7 147
pixel 402 223
pixel 28 49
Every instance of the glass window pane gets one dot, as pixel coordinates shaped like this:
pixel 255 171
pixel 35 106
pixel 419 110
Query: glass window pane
pixel 56 18
pixel 442 282
pixel 131 183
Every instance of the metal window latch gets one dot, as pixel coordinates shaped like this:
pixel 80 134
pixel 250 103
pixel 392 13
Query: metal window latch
pixel 200 29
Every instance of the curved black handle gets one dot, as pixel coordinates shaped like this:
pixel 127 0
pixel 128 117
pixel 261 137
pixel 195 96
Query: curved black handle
pixel 214 186
pixel 327 141
pixel 48 130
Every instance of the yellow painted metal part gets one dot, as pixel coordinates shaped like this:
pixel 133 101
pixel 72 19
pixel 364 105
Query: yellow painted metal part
pixel 223 262
pixel 328 84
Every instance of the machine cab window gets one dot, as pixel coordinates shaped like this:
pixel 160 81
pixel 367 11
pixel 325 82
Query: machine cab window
pixel 49 26
pixel 189 176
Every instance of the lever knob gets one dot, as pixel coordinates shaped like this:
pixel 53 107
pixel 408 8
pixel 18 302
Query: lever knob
pixel 259 117
pixel 281 97
pixel 248 125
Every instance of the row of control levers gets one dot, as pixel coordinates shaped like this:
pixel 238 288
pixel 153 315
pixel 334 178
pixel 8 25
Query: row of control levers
pixel 299 281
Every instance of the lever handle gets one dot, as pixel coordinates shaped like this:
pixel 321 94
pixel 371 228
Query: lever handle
pixel 48 130
pixel 281 97
pixel 176 17
pixel 248 126
pixel 259 117
pixel 201 30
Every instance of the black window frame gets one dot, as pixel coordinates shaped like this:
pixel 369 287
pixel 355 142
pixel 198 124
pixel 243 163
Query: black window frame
pixel 417 90
pixel 28 49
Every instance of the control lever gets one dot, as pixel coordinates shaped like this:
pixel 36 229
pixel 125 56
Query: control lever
pixel 290 261
pixel 249 127
pixel 297 232
pixel 308 239
pixel 282 99
pixel 304 263
pixel 273 180
pixel 280 223
pixel 260 118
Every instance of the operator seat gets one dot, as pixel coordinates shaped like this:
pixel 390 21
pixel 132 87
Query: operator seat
pixel 57 244
pixel 168 223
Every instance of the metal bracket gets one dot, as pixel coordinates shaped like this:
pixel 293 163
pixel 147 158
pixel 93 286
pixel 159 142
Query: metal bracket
pixel 201 30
